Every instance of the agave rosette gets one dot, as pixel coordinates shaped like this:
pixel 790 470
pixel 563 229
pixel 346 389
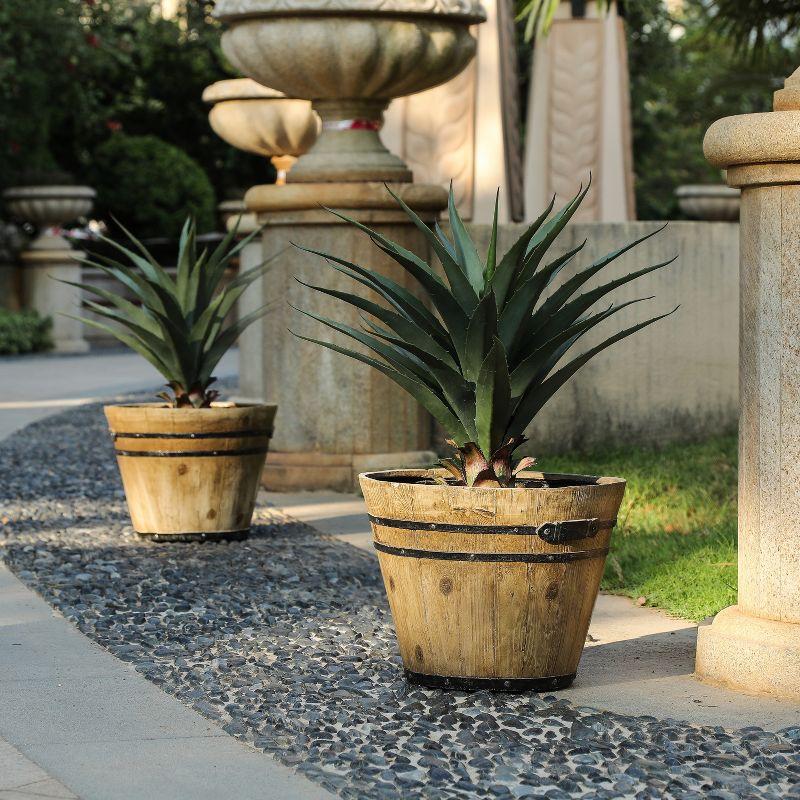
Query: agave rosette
pixel 484 354
pixel 176 323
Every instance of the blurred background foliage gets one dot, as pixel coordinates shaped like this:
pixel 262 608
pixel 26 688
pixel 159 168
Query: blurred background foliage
pixel 690 64
pixel 75 73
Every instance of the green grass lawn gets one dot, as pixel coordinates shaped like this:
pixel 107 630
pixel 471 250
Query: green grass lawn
pixel 675 544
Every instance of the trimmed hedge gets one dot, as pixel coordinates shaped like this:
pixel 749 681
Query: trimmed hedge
pixel 151 186
pixel 24 332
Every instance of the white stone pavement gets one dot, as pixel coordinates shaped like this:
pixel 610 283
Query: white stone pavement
pixel 33 387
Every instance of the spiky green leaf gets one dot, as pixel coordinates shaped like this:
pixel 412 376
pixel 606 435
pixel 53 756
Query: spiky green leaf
pixel 467 256
pixel 438 409
pixel 492 399
pixel 480 336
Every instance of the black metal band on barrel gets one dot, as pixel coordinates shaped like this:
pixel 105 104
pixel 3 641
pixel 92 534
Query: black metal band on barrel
pixel 248 451
pixel 197 536
pixel 551 532
pixel 545 684
pixel 510 558
pixel 204 435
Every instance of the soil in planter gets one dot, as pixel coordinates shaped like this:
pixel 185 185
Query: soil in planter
pixel 548 482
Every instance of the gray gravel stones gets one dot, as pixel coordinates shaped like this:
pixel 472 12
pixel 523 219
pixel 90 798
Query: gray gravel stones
pixel 285 640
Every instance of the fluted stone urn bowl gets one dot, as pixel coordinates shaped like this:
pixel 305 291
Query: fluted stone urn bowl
pixel 350 58
pixel 714 202
pixel 48 207
pixel 260 120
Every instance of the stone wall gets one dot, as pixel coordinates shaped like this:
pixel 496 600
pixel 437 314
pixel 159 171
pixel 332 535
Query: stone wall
pixel 677 380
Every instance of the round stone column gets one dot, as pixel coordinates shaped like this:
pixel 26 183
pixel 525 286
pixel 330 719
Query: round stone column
pixel 42 272
pixel 336 417
pixel 251 340
pixel 755 645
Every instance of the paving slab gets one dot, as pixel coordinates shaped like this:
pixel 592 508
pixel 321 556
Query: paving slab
pixel 39 385
pixel 21 779
pixel 100 728
pixel 637 660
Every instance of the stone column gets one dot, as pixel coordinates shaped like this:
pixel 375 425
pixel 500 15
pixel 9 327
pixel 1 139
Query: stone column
pixel 251 362
pixel 336 416
pixel 41 271
pixel 755 645
pixel 467 130
pixel 579 117
pixel 10 242
pixel 50 257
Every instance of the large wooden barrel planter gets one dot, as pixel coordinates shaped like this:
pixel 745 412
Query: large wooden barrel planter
pixel 191 474
pixel 491 588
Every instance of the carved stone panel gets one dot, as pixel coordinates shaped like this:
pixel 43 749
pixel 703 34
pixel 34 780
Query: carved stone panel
pixel 468 130
pixel 579 116
pixel 573 141
pixel 438 136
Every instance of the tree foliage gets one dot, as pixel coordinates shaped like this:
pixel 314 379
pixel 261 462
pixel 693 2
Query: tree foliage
pixel 684 76
pixel 753 25
pixel 74 72
pixel 151 186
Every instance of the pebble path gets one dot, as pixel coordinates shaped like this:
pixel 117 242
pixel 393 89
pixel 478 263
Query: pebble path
pixel 285 640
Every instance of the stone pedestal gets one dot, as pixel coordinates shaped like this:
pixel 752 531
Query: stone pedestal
pixel 42 292
pixel 755 645
pixel 579 117
pixel 336 417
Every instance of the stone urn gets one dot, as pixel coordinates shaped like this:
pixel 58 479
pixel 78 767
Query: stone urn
pixel 48 208
pixel 259 120
pixel 710 202
pixel 50 256
pixel 350 58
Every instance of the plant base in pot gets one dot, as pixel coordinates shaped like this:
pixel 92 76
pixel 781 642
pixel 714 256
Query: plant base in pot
pixel 491 588
pixel 191 474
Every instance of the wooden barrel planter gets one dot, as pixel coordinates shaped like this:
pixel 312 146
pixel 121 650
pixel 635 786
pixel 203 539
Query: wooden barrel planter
pixel 491 588
pixel 191 474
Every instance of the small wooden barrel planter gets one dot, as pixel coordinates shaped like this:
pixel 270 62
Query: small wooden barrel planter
pixel 191 474
pixel 491 588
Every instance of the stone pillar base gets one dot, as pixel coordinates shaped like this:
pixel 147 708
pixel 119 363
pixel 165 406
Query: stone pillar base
pixel 42 269
pixel 336 416
pixel 292 472
pixel 68 346
pixel 751 654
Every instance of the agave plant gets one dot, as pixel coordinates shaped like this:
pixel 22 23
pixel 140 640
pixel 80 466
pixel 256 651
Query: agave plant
pixel 483 356
pixel 177 324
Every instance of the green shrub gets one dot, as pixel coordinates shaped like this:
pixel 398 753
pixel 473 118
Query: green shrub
pixel 23 332
pixel 151 186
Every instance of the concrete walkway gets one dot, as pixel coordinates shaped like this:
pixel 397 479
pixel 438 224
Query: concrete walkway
pixel 75 722
pixel 637 660
pixel 100 728
pixel 39 385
